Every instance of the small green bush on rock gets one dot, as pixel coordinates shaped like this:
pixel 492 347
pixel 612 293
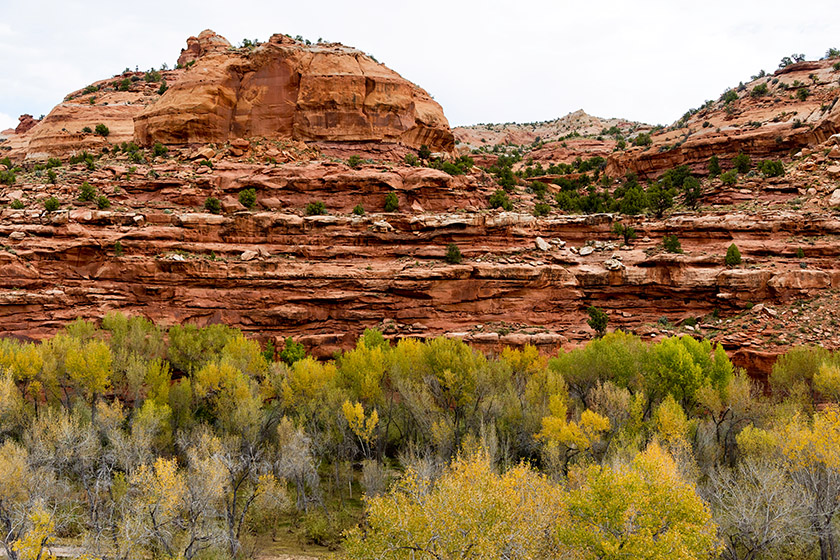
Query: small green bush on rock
pixel 733 256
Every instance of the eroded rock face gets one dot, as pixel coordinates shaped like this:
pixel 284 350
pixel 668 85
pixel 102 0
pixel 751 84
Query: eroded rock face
pixel 26 123
pixel 207 41
pixel 286 89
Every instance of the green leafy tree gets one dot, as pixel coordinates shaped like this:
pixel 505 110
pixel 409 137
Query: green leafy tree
pixel 660 197
pixel 51 204
pixel 692 192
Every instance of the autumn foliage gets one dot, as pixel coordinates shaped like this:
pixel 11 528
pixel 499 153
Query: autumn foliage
pixel 135 441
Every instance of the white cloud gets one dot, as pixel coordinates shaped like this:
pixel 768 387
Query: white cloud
pixel 490 61
pixel 7 122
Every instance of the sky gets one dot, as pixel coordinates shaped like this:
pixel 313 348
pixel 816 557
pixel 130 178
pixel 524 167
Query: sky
pixel 483 61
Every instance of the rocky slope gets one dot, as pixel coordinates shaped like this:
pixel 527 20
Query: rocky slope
pixel 274 271
pixel 576 123
pixel 150 246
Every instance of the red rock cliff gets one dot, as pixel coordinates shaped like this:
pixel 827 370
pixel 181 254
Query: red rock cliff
pixel 286 89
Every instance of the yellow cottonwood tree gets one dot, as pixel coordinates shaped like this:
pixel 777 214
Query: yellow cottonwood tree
pixel 641 511
pixel 570 438
pixel 360 425
pixel 33 545
pixel 470 512
pixel 89 366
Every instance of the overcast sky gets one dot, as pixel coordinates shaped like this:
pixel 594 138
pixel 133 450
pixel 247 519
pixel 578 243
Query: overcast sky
pixel 483 61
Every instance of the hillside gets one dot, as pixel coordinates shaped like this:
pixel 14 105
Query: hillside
pixel 217 198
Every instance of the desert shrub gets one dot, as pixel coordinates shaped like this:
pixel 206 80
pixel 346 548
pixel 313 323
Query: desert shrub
pixel 17 204
pixel 729 96
pixel 86 192
pixel 7 177
pixel 453 254
pixel 424 152
pixel 691 192
pixel 292 351
pixel 642 140
pixel 87 130
pixel 714 167
pixel 102 130
pixel 500 199
pixel 672 243
pixel 152 76
pixel 759 90
pixel 742 163
pixel 539 189
pixel 163 87
pixel 52 204
pixel 354 161
pixel 316 208
pixel 800 253
pixel 213 205
pixel 359 210
pixel 802 94
pixel 52 176
pixel 392 203
pixel 730 177
pixel 771 168
pixel 206 163
pixel 248 197
pixel 598 320
pixel 102 202
pixel 412 160
pixel 118 249
pixel 733 256
pixel 451 168
pixel 542 209
pixel 625 231
pixel 124 85
pixel 159 149
pixel 660 197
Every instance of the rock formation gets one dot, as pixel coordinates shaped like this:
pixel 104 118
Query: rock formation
pixel 283 89
pixel 286 89
pixel 25 124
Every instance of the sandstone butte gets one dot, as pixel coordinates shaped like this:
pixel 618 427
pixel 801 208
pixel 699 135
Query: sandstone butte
pixel 277 117
pixel 281 89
